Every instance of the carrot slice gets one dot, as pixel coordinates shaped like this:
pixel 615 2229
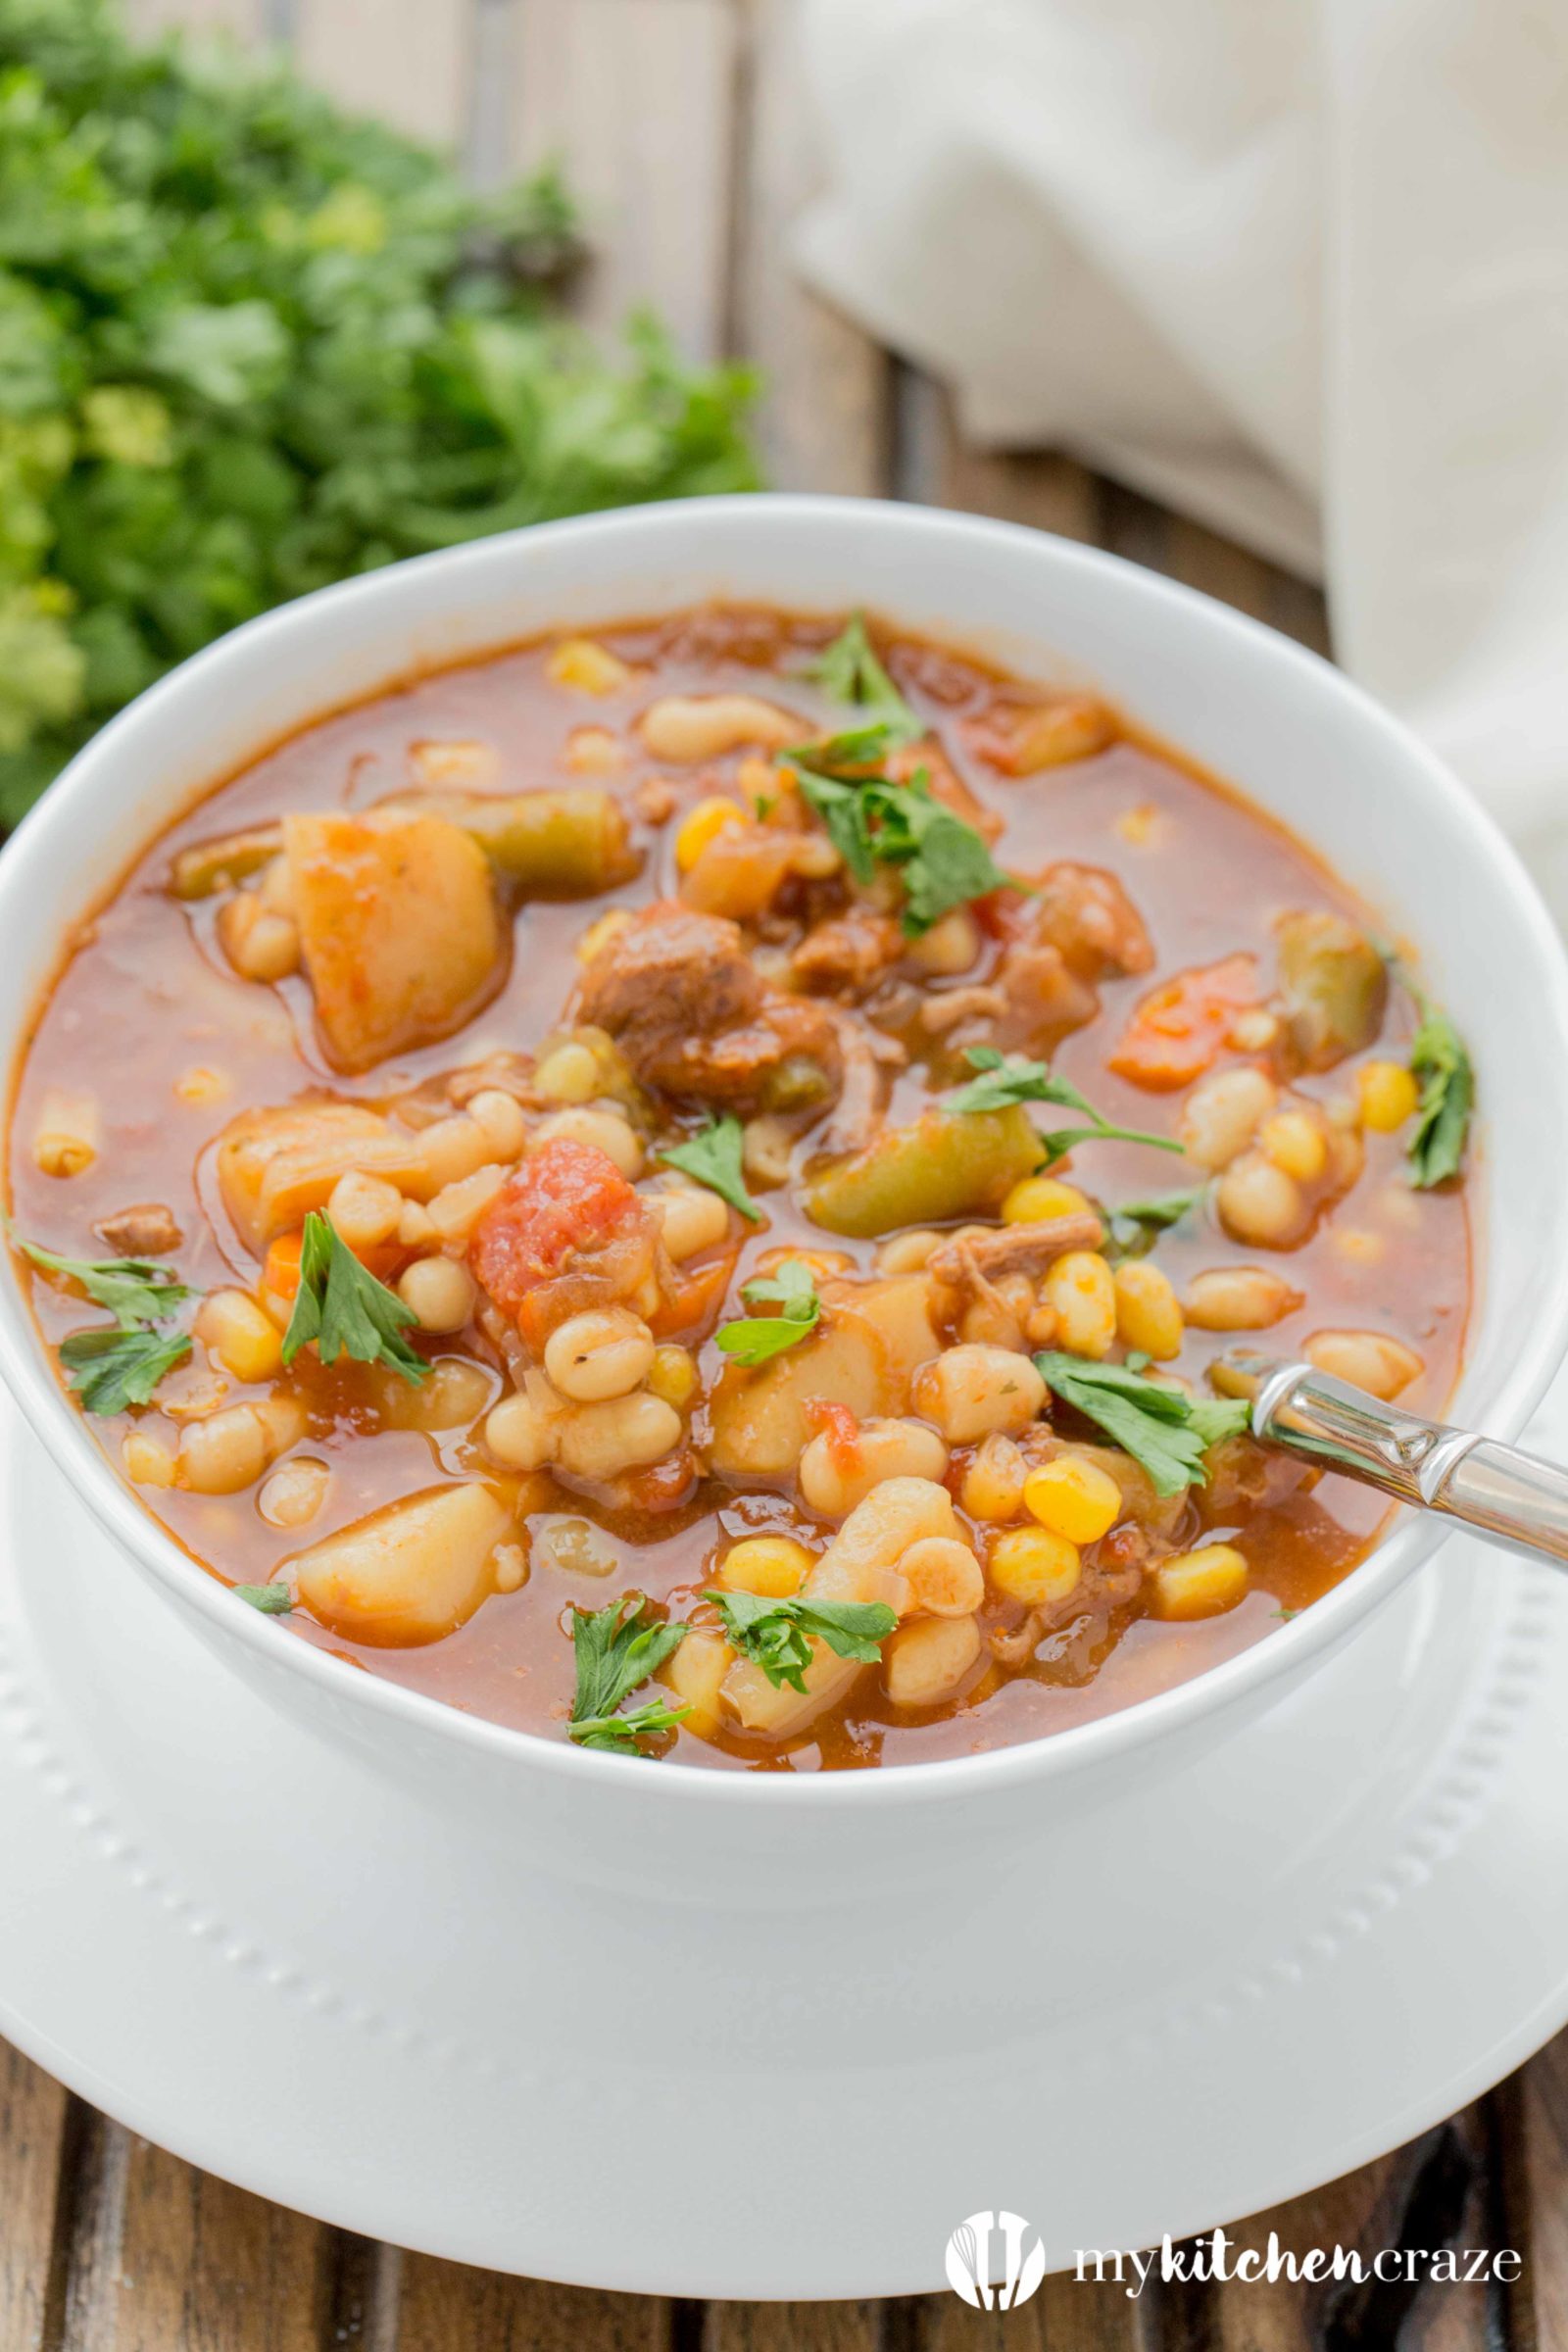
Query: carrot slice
pixel 1178 1030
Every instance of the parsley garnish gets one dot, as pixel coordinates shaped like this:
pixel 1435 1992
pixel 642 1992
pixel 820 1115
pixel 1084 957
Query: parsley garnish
pixel 775 1635
pixel 135 1290
pixel 849 670
pixel 274 1600
pixel 110 1369
pixel 1438 1060
pixel 119 1364
pixel 1157 1423
pixel 714 1155
pixel 1007 1079
pixel 754 1339
pixel 1134 1224
pixel 871 820
pixel 615 1653
pixel 345 1310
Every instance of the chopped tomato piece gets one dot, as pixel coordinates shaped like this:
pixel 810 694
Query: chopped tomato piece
pixel 569 1196
pixel 1177 1031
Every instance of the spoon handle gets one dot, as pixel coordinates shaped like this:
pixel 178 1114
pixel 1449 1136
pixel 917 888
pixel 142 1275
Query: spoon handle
pixel 1512 1498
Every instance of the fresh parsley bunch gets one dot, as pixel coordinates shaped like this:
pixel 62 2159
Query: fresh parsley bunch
pixel 249 345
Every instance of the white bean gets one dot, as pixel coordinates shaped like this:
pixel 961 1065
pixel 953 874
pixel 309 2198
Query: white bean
pixel 1239 1299
pixel 1259 1202
pixel 623 1433
pixel 606 1130
pixel 925 1663
pixel 605 1352
pixel 686 728
pixel 835 1476
pixel 1367 1359
pixel 692 1220
pixel 439 1291
pixel 1223 1114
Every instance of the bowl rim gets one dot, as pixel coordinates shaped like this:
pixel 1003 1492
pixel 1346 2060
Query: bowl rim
pixel 1080 1747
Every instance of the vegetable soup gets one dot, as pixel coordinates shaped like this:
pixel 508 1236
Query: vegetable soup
pixel 685 1190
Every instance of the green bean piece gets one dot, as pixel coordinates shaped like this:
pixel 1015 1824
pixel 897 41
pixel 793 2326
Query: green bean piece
pixel 947 1164
pixel 571 843
pixel 218 864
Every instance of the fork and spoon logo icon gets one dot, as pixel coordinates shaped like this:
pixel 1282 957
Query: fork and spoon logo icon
pixel 973 2259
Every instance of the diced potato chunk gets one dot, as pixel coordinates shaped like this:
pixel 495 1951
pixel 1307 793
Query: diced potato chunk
pixel 400 932
pixel 407 1574
pixel 274 1167
pixel 875 1336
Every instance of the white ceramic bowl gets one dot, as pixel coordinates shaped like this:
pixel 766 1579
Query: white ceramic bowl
pixel 1283 725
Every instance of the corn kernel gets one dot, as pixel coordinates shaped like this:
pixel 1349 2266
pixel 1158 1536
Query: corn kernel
pixel 1081 1291
pixel 1073 1498
pixel 1200 1584
pixel 570 1074
pixel 461 763
pixel 993 1484
pixel 148 1463
pixel 695 1673
pixel 672 1376
pixel 1295 1141
pixel 1387 1094
pixel 773 1565
pixel 600 934
pixel 700 826
pixel 587 668
pixel 202 1086
pixel 1034 1565
pixel 1037 1198
pixel 245 1341
pixel 1148 1313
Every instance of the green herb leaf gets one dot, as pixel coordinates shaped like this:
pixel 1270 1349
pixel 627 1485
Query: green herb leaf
pixel 849 670
pixel 871 820
pixel 776 1635
pixel 113 1368
pixel 613 1654
pixel 714 1155
pixel 1135 1224
pixel 1440 1061
pixel 756 1339
pixel 1007 1079
pixel 1161 1426
pixel 250 343
pixel 345 1310
pixel 135 1290
pixel 272 1600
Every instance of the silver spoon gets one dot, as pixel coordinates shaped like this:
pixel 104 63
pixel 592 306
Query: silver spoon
pixel 1510 1496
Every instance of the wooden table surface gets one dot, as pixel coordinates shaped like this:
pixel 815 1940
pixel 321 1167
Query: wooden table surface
pixel 682 128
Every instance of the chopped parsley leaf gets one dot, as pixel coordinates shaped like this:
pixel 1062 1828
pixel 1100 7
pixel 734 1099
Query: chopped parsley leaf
pixel 776 1635
pixel 272 1600
pixel 112 1368
pixel 756 1339
pixel 714 1155
pixel 850 671
pixel 345 1310
pixel 1006 1079
pixel 1157 1423
pixel 135 1290
pixel 1440 1061
pixel 613 1653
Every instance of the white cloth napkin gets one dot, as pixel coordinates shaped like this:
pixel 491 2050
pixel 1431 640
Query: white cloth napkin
pixel 1298 267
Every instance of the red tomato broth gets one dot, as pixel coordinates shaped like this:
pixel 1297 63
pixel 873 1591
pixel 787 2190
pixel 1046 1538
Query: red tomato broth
pixel 145 997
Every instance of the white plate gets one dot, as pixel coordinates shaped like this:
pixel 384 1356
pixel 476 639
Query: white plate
pixel 1339 1928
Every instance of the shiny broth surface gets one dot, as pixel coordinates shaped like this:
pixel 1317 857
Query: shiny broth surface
pixel 525 1006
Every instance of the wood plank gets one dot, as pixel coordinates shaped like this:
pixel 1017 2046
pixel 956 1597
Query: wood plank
pixel 162 2256
pixel 38 2124
pixel 1134 528
pixel 1436 2191
pixel 794 2327
pixel 1042 488
pixel 1065 2316
pixel 445 2307
pixel 637 102
pixel 1533 2125
pixel 826 413
pixel 408 61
